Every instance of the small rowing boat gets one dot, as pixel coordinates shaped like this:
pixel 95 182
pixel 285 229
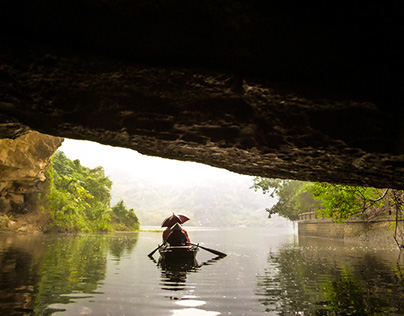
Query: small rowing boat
pixel 178 253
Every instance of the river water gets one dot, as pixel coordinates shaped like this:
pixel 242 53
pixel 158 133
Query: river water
pixel 267 271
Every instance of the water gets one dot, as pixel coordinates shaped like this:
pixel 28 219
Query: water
pixel 266 271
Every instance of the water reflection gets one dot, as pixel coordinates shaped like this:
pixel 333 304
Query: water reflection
pixel 319 278
pixel 111 274
pixel 18 285
pixel 193 312
pixel 122 244
pixel 38 271
pixel 173 278
pixel 174 273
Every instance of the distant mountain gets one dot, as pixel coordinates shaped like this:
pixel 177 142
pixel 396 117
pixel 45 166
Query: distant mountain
pixel 209 202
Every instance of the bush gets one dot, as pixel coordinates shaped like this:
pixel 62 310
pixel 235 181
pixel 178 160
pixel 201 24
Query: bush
pixel 124 218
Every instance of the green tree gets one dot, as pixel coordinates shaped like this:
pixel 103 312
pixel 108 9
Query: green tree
pixel 92 180
pixel 79 198
pixel 340 202
pixel 124 218
pixel 293 199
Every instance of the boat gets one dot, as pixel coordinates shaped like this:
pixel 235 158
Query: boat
pixel 180 254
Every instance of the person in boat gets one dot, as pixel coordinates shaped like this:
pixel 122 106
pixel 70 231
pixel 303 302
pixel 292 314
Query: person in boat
pixel 168 231
pixel 177 236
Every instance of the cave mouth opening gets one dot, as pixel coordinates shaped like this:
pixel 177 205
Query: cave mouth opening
pixel 155 187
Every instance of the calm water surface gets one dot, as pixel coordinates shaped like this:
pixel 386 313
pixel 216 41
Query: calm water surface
pixel 266 271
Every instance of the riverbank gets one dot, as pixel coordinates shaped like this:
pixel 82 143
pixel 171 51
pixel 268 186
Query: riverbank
pixel 379 230
pixel 32 222
pixel 38 222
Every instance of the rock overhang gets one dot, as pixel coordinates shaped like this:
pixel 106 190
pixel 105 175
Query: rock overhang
pixel 256 89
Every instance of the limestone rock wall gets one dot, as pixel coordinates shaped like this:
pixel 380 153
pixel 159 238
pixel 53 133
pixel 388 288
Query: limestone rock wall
pixel 22 164
pixel 276 89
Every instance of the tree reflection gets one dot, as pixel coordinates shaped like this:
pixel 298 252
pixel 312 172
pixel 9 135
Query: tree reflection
pixel 347 296
pixel 329 282
pixel 122 244
pixel 54 269
pixel 77 265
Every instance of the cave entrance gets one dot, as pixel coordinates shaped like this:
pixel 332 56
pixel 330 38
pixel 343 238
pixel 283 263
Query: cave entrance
pixel 155 187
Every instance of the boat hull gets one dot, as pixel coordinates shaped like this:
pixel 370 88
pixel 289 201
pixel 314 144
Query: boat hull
pixel 178 253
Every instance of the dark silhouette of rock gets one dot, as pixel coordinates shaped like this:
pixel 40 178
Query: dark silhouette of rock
pixel 287 89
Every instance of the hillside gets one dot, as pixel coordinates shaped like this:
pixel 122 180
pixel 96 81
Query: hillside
pixel 210 202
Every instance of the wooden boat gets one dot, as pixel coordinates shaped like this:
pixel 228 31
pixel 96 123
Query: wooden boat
pixel 178 253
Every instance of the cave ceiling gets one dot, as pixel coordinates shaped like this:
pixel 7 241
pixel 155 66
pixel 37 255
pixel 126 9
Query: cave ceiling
pixel 286 89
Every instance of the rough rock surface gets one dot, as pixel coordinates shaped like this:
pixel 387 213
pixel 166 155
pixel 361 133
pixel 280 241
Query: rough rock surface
pixel 22 162
pixel 288 90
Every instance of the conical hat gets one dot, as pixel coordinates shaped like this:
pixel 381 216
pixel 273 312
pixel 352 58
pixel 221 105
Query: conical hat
pixel 176 226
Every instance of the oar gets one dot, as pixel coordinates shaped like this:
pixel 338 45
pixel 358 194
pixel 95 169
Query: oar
pixel 221 254
pixel 152 253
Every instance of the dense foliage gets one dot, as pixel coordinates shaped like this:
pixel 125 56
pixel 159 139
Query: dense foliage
pixel 292 199
pixel 124 218
pixel 339 202
pixel 79 198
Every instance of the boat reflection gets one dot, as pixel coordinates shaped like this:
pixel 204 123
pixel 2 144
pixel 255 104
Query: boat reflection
pixel 174 278
pixel 174 273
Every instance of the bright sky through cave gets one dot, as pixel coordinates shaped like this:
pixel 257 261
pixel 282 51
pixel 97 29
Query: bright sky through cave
pixel 92 154
pixel 131 172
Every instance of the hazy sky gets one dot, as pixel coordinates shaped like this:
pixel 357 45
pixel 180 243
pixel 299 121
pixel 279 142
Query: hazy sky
pixel 127 163
pixel 92 154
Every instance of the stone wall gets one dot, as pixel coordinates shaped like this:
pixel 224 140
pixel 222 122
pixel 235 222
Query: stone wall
pixel 22 164
pixel 362 230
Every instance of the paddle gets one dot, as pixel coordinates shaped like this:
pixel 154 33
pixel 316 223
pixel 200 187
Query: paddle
pixel 152 253
pixel 221 254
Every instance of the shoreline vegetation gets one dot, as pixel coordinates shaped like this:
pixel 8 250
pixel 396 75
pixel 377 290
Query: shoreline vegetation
pixel 78 199
pixel 150 231
pixel 340 203
pixel 337 202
